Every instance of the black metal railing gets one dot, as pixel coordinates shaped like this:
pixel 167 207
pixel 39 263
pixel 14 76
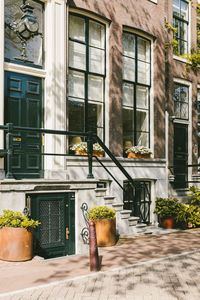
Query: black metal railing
pixel 180 174
pixel 90 137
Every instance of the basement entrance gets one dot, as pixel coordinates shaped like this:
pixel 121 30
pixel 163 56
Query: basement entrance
pixel 138 200
pixel 56 235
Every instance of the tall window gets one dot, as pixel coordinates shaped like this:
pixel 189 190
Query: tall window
pixel 180 22
pixel 86 75
pixel 181 101
pixel 136 88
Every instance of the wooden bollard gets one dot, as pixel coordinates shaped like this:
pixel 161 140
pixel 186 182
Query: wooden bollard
pixel 94 256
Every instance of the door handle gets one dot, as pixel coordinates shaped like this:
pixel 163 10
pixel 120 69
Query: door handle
pixel 67 233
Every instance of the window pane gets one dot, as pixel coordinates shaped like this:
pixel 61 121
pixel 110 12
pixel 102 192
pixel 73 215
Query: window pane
pixel 183 31
pixel 127 115
pixel 77 55
pixel 176 7
pixel 95 118
pixel 184 110
pixel 143 72
pixel 183 46
pixel 184 93
pixel 96 60
pixel 142 139
pixel 95 88
pixel 141 120
pixel 76 84
pixel 142 95
pixel 177 109
pixel 76 115
pixel 128 69
pixel 96 35
pixel 143 50
pixel 128 45
pixel 77 28
pixel 184 10
pixel 128 94
pixel 13 46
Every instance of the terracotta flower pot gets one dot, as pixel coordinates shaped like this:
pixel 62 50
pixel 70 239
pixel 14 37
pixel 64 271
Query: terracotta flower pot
pixel 97 153
pixel 80 152
pixel 138 155
pixel 168 223
pixel 105 232
pixel 16 244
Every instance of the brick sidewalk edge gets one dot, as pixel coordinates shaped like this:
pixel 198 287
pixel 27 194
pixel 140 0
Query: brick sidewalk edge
pixel 152 261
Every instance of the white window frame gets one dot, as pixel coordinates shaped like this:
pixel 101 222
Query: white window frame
pixel 176 57
pixel 151 94
pixel 187 122
pixel 106 23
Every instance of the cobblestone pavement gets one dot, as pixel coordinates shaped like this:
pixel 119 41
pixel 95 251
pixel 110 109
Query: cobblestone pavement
pixel 175 277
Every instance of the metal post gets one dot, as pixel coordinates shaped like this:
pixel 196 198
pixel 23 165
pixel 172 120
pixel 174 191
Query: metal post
pixel 94 256
pixel 90 152
pixel 137 199
pixel 9 147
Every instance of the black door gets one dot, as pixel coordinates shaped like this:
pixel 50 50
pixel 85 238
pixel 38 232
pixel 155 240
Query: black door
pixel 56 234
pixel 23 97
pixel 180 155
pixel 138 199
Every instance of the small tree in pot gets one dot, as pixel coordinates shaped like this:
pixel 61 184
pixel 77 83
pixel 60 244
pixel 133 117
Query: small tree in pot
pixel 167 210
pixel 16 236
pixel 105 224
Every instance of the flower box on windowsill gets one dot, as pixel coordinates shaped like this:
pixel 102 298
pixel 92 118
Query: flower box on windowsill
pixel 82 152
pixel 138 155
pixel 138 152
pixel 81 149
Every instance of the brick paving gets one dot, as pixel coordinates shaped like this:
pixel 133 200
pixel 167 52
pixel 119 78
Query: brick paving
pixel 145 268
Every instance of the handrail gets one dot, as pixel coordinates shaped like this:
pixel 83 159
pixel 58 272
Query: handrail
pixel 90 136
pixel 99 161
pixel 113 158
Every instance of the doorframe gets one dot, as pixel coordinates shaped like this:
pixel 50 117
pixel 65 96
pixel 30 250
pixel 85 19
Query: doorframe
pixel 28 205
pixel 187 122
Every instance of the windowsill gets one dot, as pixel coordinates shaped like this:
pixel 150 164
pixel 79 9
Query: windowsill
pixel 184 60
pixel 154 1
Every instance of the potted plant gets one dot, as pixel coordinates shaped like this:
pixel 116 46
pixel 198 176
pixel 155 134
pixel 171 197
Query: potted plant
pixel 167 210
pixel 105 224
pixel 98 150
pixel 138 152
pixel 16 236
pixel 81 149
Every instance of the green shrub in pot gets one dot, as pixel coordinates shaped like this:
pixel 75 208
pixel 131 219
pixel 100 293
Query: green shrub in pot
pixel 105 225
pixel 14 219
pixel 101 212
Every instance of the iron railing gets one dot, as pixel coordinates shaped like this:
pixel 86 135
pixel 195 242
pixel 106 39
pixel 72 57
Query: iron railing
pixel 90 137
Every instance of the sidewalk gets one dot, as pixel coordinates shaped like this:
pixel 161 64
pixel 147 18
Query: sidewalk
pixel 153 278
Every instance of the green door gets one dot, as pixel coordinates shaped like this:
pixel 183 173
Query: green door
pixel 56 234
pixel 23 97
pixel 180 155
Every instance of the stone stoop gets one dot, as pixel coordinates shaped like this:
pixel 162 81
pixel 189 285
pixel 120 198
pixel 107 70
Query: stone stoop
pixel 126 225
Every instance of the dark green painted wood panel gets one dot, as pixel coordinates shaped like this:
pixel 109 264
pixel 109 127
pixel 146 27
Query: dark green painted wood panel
pixel 56 212
pixel 23 99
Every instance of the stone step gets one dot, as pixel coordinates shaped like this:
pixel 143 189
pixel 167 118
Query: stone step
pixel 133 221
pixel 109 200
pixel 125 214
pixel 141 228
pixel 118 206
pixel 100 192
